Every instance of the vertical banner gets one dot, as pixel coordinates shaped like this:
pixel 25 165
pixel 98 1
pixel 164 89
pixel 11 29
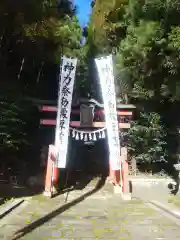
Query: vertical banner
pixel 66 85
pixel 106 76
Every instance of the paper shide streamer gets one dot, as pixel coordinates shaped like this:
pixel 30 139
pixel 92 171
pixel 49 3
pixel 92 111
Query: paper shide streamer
pixel 87 136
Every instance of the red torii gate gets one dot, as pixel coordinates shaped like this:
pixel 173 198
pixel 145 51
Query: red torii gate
pixel 125 113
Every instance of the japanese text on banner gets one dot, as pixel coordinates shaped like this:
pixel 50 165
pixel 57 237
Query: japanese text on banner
pixel 105 70
pixel 64 109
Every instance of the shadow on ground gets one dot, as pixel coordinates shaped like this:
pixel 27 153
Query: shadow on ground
pixel 69 180
pixel 8 191
pixel 22 232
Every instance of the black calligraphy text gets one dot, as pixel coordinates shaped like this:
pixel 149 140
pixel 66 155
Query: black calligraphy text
pixel 66 91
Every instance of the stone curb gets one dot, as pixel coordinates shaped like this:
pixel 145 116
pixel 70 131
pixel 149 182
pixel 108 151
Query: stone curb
pixel 9 207
pixel 174 212
pixel 150 179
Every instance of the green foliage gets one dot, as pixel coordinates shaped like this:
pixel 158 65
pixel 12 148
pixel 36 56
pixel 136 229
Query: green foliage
pixel 149 53
pixel 146 139
pixel 33 38
pixel 12 127
pixel 139 56
pixel 144 35
pixel 14 123
pixel 82 74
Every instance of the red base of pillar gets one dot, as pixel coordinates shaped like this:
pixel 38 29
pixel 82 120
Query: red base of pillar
pixel 125 170
pixel 52 175
pixel 125 185
pixel 49 172
pixel 56 176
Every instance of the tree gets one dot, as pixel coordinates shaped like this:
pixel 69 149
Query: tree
pixel 147 139
pixel 33 37
pixel 144 37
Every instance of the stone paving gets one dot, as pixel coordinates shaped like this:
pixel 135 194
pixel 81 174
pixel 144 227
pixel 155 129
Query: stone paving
pixel 88 214
pixel 155 190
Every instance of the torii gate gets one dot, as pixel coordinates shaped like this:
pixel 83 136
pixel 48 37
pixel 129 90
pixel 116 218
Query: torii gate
pixel 125 113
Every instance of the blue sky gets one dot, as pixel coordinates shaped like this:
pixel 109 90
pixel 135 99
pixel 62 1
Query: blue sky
pixel 83 11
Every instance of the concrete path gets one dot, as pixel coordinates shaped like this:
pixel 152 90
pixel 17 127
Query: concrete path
pixel 88 214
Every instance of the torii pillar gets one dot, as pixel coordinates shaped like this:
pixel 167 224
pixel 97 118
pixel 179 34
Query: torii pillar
pixel 52 173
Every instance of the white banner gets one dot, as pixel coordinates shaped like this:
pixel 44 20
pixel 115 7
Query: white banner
pixel 106 76
pixel 66 85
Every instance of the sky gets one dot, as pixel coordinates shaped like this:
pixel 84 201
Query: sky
pixel 83 11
